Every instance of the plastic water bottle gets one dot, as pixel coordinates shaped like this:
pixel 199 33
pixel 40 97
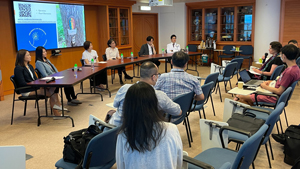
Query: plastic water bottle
pixel 131 55
pixel 187 49
pixel 75 70
pixel 163 52
pixel 92 64
pixel 122 59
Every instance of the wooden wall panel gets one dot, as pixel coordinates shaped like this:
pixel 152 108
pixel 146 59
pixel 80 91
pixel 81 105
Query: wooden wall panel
pixel 290 22
pixel 144 25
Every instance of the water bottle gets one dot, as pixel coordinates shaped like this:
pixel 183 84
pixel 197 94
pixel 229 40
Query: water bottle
pixel 163 52
pixel 131 55
pixel 215 45
pixel 187 49
pixel 75 70
pixel 122 59
pixel 92 64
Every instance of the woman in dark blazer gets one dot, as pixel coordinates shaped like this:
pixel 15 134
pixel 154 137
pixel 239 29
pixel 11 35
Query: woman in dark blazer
pixel 24 73
pixel 46 68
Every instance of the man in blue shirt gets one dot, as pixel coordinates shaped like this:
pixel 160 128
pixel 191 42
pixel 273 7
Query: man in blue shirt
pixel 149 74
pixel 177 81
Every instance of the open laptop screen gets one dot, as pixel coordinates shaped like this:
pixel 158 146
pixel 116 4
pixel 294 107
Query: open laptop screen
pixel 245 76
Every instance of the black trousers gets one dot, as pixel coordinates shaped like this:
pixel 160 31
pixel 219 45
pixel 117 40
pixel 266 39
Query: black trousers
pixel 101 78
pixel 70 93
pixel 157 62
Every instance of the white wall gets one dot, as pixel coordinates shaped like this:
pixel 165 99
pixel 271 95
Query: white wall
pixel 172 21
pixel 267 20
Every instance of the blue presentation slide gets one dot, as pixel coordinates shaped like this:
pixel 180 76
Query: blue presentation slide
pixel 34 35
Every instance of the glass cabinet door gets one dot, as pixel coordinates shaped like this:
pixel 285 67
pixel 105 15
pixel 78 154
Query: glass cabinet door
pixel 227 24
pixel 244 28
pixel 196 25
pixel 124 28
pixel 211 19
pixel 113 24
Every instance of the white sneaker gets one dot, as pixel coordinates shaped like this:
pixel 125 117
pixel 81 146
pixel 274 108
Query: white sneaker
pixel 59 108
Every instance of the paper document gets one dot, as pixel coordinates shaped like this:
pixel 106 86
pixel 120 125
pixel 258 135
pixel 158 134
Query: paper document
pixel 102 62
pixel 259 89
pixel 50 77
pixel 251 70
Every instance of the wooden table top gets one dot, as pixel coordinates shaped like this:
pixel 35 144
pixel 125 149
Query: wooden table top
pixel 69 79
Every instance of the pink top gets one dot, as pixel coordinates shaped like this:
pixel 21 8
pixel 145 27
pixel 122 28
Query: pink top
pixel 287 77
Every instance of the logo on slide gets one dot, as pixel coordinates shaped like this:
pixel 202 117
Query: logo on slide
pixel 37 37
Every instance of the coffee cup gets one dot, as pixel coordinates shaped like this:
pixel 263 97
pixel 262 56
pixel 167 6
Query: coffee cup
pixel 240 85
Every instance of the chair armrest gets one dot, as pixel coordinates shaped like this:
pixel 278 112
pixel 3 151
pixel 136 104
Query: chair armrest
pixel 232 129
pixel 256 109
pixel 265 94
pixel 21 88
pixel 196 162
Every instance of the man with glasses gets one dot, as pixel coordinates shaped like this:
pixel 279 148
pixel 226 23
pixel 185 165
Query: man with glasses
pixel 177 81
pixel 149 74
pixel 149 49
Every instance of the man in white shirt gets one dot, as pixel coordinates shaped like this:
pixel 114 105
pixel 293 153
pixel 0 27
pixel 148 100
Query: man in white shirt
pixel 173 46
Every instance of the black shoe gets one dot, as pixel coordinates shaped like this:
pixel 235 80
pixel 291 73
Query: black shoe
pixel 128 77
pixel 121 82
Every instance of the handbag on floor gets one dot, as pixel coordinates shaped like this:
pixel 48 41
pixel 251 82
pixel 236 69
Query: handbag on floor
pixel 76 143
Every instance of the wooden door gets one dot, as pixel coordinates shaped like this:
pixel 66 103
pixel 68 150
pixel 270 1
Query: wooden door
pixel 144 25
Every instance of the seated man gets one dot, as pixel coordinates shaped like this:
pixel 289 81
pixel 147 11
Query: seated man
pixel 173 46
pixel 149 74
pixel 287 77
pixel 177 81
pixel 149 49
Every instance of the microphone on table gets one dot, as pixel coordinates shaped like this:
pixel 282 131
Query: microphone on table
pixel 266 54
pixel 50 80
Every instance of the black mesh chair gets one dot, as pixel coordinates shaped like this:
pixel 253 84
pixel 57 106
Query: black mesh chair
pixel 227 53
pixel 38 73
pixel 246 52
pixel 25 99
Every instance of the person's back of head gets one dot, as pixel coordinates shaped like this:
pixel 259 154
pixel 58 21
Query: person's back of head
pixel 179 59
pixel 141 120
pixel 290 51
pixel 39 53
pixel 148 69
pixel 293 42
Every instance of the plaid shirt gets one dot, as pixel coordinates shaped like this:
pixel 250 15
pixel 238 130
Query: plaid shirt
pixel 178 82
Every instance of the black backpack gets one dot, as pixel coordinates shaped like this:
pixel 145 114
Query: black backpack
pixel 76 143
pixel 292 144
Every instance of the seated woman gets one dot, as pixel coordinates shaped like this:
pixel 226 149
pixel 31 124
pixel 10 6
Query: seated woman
pixel 87 56
pixel 24 73
pixel 112 53
pixel 288 76
pixel 145 140
pixel 46 68
pixel 269 65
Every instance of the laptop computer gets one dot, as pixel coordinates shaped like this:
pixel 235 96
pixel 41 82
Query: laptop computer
pixel 247 79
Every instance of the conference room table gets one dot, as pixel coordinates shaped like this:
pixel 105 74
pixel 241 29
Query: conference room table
pixel 111 64
pixel 68 80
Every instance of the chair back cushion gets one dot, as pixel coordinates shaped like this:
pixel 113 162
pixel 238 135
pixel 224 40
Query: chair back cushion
pixel 228 49
pixel 272 119
pixel 104 57
pixel 185 102
pixel 276 72
pixel 12 79
pixel 247 152
pixel 206 88
pixel 193 48
pixel 38 73
pixel 239 61
pixel 246 49
pixel 229 69
pixel 103 148
pixel 293 87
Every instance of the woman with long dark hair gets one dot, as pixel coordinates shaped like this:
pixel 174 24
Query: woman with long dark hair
pixel 145 140
pixel 46 68
pixel 24 73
